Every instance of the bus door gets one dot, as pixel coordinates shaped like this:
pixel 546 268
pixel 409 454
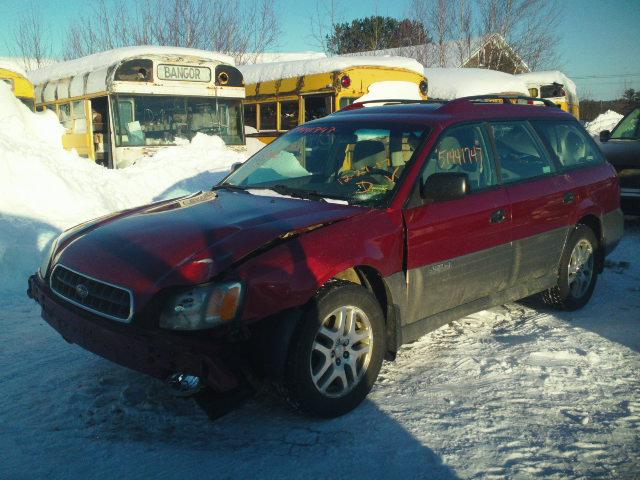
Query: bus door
pixel 101 130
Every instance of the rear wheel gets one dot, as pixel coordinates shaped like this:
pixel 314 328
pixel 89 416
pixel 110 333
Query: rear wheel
pixel 577 274
pixel 336 351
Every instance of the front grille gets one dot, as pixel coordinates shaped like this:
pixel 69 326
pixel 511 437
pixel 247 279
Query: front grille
pixel 91 294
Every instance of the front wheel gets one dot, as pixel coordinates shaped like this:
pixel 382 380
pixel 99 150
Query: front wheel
pixel 577 274
pixel 336 352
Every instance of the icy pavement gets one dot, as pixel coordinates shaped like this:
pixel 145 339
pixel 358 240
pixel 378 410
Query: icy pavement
pixel 513 392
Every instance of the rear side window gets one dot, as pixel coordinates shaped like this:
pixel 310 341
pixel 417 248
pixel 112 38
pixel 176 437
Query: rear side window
pixel 463 149
pixel 570 144
pixel 520 155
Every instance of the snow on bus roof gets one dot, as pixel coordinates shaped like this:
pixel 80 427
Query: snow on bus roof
pixel 10 64
pixel 548 77
pixel 450 83
pixel 103 60
pixel 265 72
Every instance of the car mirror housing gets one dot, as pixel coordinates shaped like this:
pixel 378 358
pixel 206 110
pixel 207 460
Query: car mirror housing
pixel 440 187
pixel 605 135
pixel 235 166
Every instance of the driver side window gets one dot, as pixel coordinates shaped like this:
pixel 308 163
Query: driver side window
pixel 463 149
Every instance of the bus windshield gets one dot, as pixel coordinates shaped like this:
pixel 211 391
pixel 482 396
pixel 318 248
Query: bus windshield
pixel 360 163
pixel 145 120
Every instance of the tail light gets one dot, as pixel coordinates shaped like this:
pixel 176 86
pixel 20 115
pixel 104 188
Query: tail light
pixel 345 81
pixel 424 87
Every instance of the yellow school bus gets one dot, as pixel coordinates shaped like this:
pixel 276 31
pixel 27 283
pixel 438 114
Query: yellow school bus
pixel 124 104
pixel 20 85
pixel 282 95
pixel 555 86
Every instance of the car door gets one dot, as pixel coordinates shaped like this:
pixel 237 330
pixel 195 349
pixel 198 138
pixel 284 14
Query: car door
pixel 458 250
pixel 541 204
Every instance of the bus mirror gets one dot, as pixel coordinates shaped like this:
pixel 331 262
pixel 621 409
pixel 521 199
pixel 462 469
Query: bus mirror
pixel 605 135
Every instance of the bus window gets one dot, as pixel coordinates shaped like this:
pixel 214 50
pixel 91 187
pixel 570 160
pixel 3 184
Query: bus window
pixel 552 91
pixel 64 114
pixel 346 101
pixel 268 116
pixel 250 119
pixel 288 115
pixel 317 106
pixel 533 92
pixel 79 120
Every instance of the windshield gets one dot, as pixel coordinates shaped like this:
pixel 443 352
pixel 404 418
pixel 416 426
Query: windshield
pixel 628 128
pixel 163 120
pixel 552 91
pixel 356 162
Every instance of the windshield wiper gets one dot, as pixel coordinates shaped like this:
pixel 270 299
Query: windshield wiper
pixel 304 194
pixel 231 188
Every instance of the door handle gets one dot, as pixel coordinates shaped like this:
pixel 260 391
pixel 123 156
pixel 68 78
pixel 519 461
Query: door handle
pixel 498 216
pixel 568 198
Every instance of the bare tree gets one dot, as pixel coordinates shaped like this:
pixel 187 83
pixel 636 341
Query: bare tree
pixel 529 26
pixel 462 29
pixel 323 23
pixel 241 28
pixel 32 38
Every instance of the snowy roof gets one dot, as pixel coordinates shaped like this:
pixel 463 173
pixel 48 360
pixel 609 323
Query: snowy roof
pixel 103 60
pixel 450 83
pixel 549 77
pixel 265 72
pixel 11 64
pixel 270 57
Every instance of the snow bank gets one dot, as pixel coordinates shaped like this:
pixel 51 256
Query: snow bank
pixel 605 121
pixel 265 72
pixel 45 189
pixel 103 60
pixel 450 83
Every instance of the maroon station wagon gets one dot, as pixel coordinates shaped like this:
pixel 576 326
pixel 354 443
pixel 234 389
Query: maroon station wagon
pixel 342 240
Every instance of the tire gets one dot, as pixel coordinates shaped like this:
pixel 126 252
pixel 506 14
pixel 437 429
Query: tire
pixel 329 370
pixel 577 274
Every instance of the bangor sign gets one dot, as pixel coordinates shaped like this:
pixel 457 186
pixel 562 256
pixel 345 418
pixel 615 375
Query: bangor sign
pixel 184 73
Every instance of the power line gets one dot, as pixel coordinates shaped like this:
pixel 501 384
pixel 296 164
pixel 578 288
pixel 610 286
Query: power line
pixel 612 75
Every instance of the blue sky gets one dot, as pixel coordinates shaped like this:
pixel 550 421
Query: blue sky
pixel 600 39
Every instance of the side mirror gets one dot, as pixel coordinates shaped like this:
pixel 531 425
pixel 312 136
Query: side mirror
pixel 235 166
pixel 605 135
pixel 439 187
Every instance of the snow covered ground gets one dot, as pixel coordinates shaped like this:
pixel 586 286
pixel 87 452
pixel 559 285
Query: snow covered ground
pixel 512 392
pixel 517 391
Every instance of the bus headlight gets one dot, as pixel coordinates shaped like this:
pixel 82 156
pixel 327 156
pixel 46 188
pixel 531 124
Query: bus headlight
pixel 201 307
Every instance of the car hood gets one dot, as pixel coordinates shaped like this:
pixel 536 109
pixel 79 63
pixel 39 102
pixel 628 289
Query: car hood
pixel 191 239
pixel 622 153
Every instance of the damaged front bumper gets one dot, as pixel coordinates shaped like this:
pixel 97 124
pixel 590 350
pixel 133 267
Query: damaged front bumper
pixel 156 353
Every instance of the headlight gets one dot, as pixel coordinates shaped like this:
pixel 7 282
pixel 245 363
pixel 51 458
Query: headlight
pixel 203 306
pixel 46 259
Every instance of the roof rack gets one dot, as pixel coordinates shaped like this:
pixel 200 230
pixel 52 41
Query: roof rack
pixel 451 104
pixel 508 99
pixel 386 101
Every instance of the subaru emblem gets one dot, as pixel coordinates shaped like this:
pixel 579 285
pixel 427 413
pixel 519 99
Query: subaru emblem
pixel 82 291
